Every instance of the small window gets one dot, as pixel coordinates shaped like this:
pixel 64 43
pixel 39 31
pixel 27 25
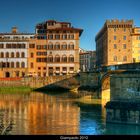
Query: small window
pixel 115 46
pixel 124 46
pixel 124 37
pixel 32 55
pixel 115 37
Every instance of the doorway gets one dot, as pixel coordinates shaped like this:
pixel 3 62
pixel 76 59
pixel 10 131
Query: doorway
pixel 7 74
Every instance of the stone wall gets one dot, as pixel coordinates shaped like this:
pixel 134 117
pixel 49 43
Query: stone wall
pixel 125 87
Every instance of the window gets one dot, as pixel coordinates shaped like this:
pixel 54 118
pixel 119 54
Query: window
pixel 71 58
pixel 31 45
pixel 12 55
pixel 38 47
pixel 12 65
pixel 50 46
pixel 22 64
pixel 114 29
pixel 115 37
pixel 57 36
pixel 71 36
pixel 71 68
pixel 115 46
pixel 57 46
pixel 64 36
pixel 17 65
pixel 124 46
pixel 39 68
pixel 124 37
pixel 64 46
pixel 64 68
pixel 7 54
pixel 57 58
pixel 124 29
pixel 50 59
pixel 32 65
pixel 22 54
pixel 17 54
pixel 1 46
pixel 57 68
pixel 115 58
pixel 64 58
pixel 71 46
pixel 124 58
pixel 50 37
pixel 32 55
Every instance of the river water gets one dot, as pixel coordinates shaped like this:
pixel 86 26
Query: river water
pixel 57 114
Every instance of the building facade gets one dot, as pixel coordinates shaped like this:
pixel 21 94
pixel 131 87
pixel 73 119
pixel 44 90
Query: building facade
pixel 136 44
pixel 87 61
pixel 114 43
pixel 52 50
pixel 14 53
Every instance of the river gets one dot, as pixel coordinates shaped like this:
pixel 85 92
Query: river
pixel 39 113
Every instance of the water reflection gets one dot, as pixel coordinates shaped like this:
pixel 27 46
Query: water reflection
pixel 51 113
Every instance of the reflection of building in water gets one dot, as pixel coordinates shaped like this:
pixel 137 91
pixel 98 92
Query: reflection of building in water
pixel 53 116
pixel 40 114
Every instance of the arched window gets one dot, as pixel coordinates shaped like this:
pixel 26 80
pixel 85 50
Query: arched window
pixel 2 55
pixel 71 58
pixel 57 46
pixel 64 46
pixel 17 65
pixel 64 58
pixel 57 58
pixel 50 58
pixel 12 65
pixel 50 46
pixel 71 46
pixel 17 54
pixel 22 64
pixel 7 54
pixel 22 54
pixel 12 54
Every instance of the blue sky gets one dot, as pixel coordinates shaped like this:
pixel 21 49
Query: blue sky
pixel 89 15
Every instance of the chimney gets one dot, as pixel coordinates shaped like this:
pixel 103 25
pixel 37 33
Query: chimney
pixel 14 30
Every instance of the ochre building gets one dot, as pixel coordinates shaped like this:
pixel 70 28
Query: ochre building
pixel 52 50
pixel 114 43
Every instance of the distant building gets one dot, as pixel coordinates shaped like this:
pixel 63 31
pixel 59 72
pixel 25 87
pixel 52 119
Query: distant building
pixel 136 44
pixel 87 61
pixel 114 43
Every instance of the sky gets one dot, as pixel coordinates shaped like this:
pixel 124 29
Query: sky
pixel 89 15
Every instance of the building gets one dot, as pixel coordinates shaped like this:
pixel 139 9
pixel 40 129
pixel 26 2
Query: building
pixel 14 53
pixel 114 43
pixel 136 44
pixel 52 50
pixel 57 48
pixel 87 61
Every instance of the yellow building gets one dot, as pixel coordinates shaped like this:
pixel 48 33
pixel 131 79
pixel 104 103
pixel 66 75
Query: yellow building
pixel 136 44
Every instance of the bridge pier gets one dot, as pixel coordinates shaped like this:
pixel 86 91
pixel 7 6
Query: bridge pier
pixel 124 104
